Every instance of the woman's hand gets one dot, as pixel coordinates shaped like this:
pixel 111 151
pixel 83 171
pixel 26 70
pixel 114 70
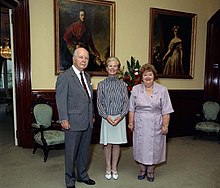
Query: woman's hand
pixel 117 120
pixel 131 126
pixel 164 129
pixel 110 120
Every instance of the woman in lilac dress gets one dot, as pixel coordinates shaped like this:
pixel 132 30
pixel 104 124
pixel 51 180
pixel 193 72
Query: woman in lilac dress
pixel 149 116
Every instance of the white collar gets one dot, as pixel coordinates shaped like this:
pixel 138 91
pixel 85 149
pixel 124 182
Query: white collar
pixel 76 70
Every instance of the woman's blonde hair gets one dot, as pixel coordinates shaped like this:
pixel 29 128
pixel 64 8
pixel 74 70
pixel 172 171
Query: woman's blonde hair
pixel 112 59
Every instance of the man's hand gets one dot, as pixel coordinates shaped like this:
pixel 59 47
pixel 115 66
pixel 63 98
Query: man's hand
pixel 65 124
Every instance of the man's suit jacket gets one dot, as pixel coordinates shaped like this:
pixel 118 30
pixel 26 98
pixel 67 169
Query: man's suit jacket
pixel 72 101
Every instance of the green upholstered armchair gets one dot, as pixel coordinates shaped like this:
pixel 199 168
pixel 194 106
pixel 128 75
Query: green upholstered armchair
pixel 44 136
pixel 208 122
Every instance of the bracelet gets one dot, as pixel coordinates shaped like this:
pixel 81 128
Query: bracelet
pixel 130 123
pixel 166 126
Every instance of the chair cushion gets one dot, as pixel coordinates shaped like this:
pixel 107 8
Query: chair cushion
pixel 208 126
pixel 52 137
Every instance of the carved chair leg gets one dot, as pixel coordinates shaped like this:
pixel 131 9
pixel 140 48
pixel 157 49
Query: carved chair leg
pixel 45 153
pixel 218 136
pixel 195 135
pixel 35 148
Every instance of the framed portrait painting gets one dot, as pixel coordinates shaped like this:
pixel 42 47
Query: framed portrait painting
pixel 172 43
pixel 84 23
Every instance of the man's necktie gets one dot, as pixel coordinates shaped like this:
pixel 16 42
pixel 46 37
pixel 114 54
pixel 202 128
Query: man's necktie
pixel 83 83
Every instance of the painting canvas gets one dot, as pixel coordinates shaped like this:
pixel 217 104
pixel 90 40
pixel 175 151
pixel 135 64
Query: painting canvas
pixel 172 43
pixel 88 24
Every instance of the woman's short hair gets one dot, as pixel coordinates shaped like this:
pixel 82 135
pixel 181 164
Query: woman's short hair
pixel 112 59
pixel 148 67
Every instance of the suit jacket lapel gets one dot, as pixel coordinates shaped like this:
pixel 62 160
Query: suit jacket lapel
pixel 76 79
pixel 89 83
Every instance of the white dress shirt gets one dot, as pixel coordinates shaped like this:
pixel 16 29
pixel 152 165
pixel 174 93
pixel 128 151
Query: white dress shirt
pixel 78 75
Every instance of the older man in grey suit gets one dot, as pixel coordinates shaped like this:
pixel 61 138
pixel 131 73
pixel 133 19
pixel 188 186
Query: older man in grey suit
pixel 74 103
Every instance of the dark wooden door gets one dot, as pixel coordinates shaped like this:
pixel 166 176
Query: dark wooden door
pixel 22 64
pixel 212 68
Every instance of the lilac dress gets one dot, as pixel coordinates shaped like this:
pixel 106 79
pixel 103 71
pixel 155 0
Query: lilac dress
pixel 149 145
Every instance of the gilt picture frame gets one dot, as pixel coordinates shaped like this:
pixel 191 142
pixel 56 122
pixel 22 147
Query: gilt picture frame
pixel 84 23
pixel 172 43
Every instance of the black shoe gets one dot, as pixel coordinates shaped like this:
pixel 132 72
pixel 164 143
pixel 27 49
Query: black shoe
pixel 88 182
pixel 141 176
pixel 150 179
pixel 150 176
pixel 71 186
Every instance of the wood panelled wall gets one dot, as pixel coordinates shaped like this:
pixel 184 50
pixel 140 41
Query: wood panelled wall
pixel 186 104
pixel 212 66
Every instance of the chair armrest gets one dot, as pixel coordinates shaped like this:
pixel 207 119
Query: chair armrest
pixel 35 125
pixel 39 129
pixel 58 122
pixel 199 117
pixel 218 118
pixel 36 128
pixel 56 126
